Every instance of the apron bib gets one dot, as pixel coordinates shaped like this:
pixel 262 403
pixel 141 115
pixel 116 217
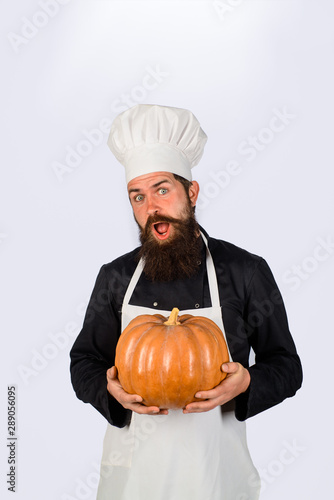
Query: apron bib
pixel 198 456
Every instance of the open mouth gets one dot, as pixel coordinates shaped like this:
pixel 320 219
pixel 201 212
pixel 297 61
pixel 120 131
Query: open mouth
pixel 161 230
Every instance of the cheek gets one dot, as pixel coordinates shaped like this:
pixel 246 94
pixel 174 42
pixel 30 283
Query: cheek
pixel 140 216
pixel 177 209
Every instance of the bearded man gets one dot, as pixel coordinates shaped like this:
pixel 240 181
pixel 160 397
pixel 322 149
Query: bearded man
pixel 199 452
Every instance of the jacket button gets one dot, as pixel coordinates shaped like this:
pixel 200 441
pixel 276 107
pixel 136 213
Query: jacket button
pixel 155 304
pixel 197 306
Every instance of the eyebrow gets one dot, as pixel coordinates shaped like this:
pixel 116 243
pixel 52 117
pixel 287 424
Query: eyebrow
pixel 137 190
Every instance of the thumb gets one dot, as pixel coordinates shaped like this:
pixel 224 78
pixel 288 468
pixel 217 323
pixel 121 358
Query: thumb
pixel 112 372
pixel 229 367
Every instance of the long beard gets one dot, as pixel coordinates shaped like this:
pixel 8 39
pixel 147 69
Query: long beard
pixel 175 258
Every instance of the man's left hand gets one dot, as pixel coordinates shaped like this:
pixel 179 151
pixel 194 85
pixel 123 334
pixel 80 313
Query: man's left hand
pixel 236 382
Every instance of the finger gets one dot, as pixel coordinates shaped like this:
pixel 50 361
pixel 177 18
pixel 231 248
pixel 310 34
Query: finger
pixel 212 393
pixel 200 407
pixel 147 410
pixel 216 392
pixel 116 390
pixel 128 399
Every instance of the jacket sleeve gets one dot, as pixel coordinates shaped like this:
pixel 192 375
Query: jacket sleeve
pixel 93 352
pixel 277 372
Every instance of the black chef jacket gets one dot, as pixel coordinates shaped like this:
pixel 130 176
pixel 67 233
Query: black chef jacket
pixel 253 315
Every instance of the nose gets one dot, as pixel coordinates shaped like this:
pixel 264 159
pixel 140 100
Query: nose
pixel 152 207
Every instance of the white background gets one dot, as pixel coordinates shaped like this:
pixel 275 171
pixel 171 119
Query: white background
pixel 79 62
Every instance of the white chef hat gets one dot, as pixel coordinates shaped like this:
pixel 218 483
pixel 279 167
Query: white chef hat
pixel 150 138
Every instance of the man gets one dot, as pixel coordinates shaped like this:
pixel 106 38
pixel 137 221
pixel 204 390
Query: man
pixel 199 452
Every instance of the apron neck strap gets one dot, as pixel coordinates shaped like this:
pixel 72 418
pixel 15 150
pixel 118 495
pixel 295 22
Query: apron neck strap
pixel 212 278
pixel 133 282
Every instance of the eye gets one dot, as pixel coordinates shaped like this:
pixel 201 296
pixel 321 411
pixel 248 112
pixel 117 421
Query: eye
pixel 139 197
pixel 163 190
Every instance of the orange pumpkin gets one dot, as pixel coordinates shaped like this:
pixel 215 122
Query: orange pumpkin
pixel 167 362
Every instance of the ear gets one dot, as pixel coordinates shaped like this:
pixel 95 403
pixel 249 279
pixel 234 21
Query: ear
pixel 193 192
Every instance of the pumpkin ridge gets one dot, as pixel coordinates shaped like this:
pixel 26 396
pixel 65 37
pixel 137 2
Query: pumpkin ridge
pixel 159 357
pixel 141 360
pixel 211 353
pixel 131 338
pixel 180 357
pixel 162 371
pixel 126 334
pixel 215 332
pixel 144 361
pixel 200 380
pixel 189 351
pixel 168 344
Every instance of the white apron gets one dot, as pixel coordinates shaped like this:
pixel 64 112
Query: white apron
pixel 197 456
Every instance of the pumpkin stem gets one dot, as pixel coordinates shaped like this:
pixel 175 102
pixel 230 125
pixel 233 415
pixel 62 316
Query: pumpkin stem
pixel 172 320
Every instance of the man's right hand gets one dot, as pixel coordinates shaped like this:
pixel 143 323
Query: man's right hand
pixel 131 402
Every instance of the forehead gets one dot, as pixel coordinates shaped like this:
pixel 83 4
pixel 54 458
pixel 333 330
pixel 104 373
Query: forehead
pixel 150 180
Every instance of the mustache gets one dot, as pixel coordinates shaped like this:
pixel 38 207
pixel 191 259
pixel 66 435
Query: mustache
pixel 155 218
